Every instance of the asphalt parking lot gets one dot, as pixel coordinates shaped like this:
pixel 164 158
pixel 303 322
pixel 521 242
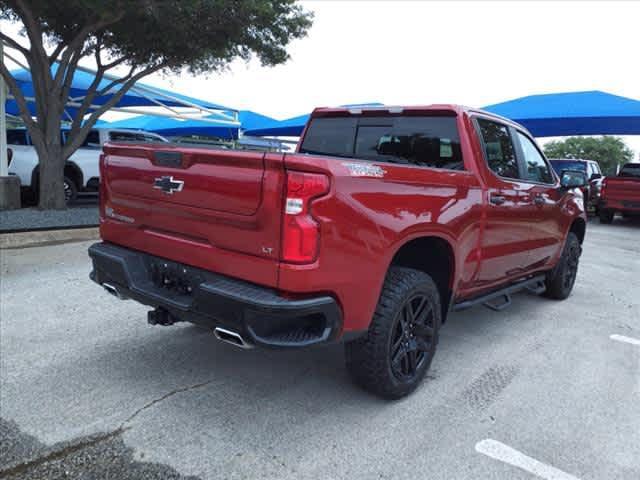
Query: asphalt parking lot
pixel 542 389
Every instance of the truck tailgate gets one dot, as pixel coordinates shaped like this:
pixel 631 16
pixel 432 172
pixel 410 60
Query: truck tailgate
pixel 209 208
pixel 623 189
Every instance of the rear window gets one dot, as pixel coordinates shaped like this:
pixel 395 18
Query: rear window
pixel 630 170
pixel 132 137
pixel 560 165
pixel 426 141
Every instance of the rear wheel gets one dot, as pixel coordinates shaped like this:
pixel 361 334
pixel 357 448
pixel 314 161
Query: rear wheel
pixel 606 216
pixel 560 281
pixel 394 357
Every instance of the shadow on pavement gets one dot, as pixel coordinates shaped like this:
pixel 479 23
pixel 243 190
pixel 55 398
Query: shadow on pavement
pixel 95 457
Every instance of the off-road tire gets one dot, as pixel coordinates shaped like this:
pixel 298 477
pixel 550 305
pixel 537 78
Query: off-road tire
pixel 369 359
pixel 560 280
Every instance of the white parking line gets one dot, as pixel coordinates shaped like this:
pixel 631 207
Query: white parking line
pixel 622 338
pixel 506 454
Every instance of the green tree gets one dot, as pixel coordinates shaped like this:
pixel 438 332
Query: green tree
pixel 146 36
pixel 608 151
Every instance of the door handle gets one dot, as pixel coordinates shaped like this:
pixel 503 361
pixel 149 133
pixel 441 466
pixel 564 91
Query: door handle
pixel 497 199
pixel 539 200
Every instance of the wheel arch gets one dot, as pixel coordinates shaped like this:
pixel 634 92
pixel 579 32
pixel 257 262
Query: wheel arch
pixel 579 227
pixel 71 170
pixel 74 172
pixel 434 256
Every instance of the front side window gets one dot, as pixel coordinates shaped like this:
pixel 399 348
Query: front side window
pixel 501 155
pixel 425 141
pixel 17 137
pixel 537 169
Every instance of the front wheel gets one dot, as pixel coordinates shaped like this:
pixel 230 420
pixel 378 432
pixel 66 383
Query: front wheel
pixel 394 357
pixel 560 281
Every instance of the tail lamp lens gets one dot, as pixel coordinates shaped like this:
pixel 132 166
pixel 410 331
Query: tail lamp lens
pixel 300 231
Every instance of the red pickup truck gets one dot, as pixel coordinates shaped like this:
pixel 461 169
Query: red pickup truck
pixel 382 222
pixel 620 194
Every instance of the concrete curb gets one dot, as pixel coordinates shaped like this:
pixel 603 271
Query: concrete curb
pixel 35 239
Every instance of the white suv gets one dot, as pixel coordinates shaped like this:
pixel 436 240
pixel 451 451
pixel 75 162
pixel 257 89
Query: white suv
pixel 81 172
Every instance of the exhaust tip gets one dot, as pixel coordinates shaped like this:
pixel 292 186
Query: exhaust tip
pixel 113 291
pixel 233 338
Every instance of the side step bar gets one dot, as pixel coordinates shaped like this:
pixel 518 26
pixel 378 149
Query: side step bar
pixel 500 299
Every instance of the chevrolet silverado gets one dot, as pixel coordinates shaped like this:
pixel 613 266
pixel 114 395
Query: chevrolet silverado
pixel 382 222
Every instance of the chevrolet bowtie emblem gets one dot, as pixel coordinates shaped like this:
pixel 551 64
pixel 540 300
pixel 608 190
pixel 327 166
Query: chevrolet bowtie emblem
pixel 168 185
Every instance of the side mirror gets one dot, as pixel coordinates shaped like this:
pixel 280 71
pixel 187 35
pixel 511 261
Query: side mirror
pixel 573 179
pixel 595 176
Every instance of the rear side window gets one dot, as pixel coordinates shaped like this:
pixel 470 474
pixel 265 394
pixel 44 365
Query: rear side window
pixel 426 141
pixel 330 136
pixel 92 140
pixel 498 145
pixel 537 169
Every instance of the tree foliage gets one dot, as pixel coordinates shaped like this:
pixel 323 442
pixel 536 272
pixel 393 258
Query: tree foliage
pixel 145 36
pixel 608 151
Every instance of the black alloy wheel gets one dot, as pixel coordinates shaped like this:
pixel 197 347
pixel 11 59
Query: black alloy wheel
pixel 413 337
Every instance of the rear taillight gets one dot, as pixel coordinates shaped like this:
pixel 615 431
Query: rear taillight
pixel 300 231
pixel 603 188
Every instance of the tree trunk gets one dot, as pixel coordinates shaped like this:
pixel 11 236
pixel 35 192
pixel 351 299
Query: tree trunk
pixel 51 175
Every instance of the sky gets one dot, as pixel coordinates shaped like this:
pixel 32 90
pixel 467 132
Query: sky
pixel 419 52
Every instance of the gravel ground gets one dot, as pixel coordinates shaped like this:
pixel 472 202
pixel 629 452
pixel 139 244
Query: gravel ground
pixel 89 390
pixel 82 215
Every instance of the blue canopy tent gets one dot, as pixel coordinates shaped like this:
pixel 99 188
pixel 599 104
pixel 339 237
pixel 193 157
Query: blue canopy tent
pixel 140 95
pixel 171 127
pixel 250 120
pixel 573 113
pixel 292 127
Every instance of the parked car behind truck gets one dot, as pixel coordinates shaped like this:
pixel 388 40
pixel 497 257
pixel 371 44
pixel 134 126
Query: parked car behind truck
pixel 81 171
pixel 382 222
pixel 591 169
pixel 621 194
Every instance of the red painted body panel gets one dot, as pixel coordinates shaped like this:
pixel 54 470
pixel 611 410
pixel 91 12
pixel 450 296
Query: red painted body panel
pixel 228 219
pixel 621 194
